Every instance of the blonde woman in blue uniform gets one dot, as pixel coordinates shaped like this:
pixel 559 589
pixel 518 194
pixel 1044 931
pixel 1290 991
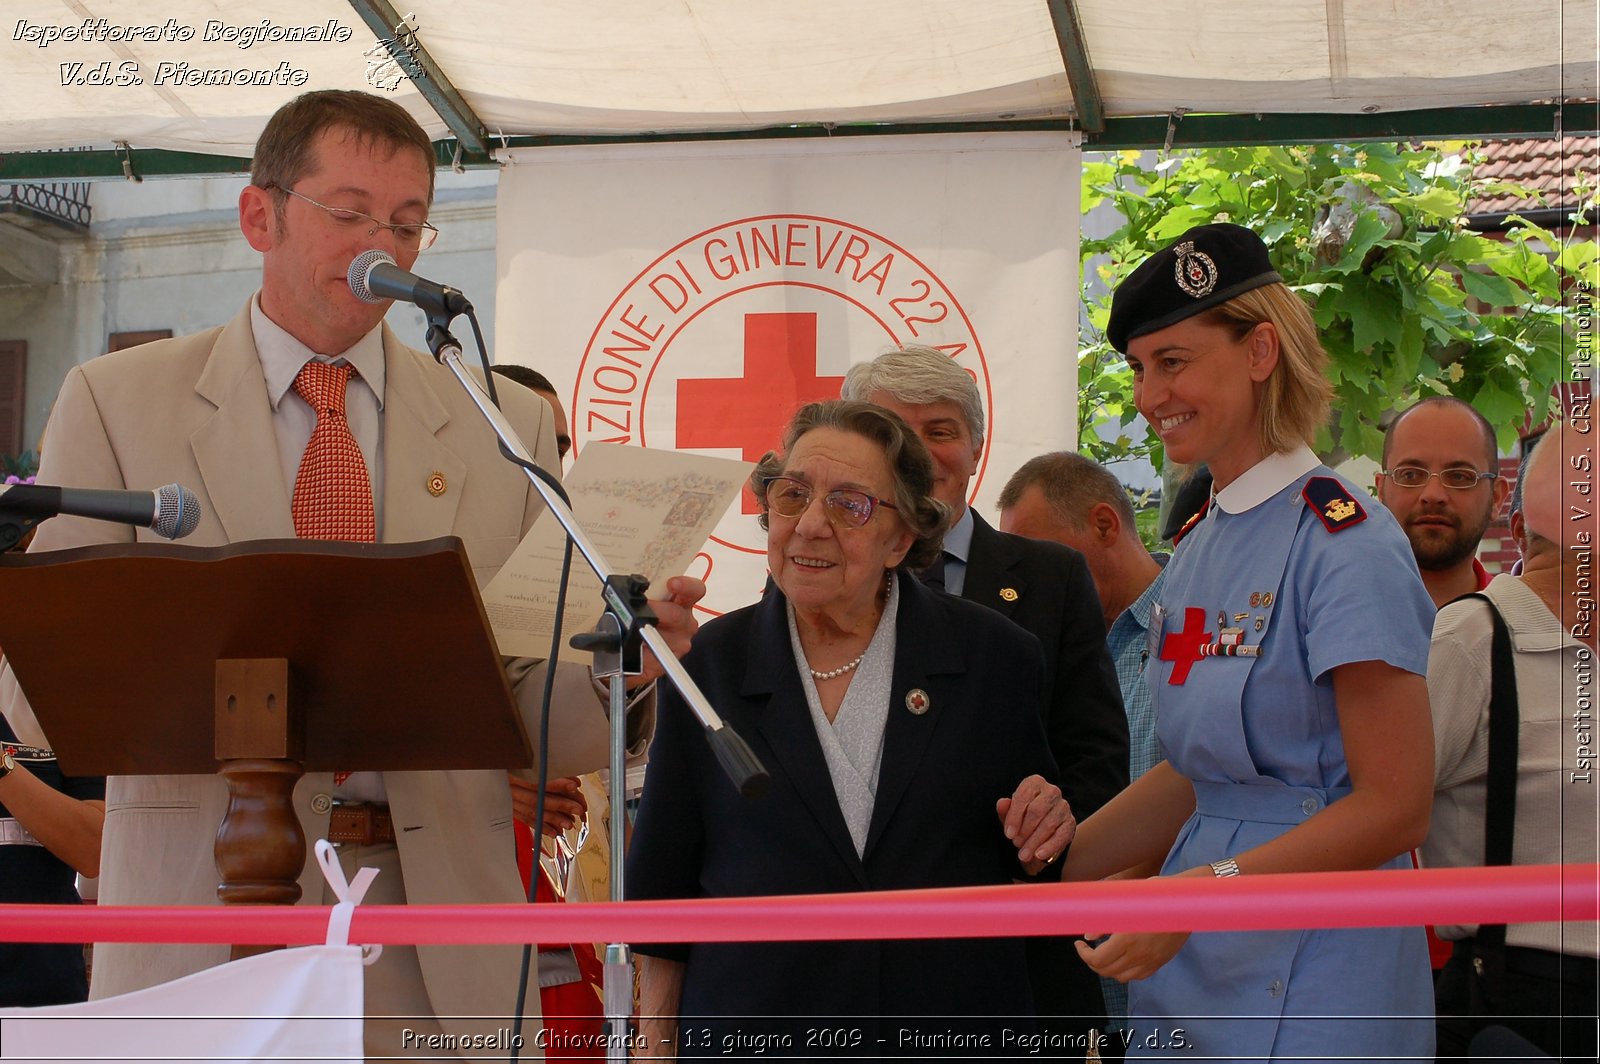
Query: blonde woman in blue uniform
pixel 1286 667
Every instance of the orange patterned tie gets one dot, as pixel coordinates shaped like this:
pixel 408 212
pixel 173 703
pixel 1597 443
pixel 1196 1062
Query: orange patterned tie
pixel 332 491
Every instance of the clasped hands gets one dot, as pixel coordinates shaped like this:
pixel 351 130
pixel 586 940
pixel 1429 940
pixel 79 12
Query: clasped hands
pixel 1038 821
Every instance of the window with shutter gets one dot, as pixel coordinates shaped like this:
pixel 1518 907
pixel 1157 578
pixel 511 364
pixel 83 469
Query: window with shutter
pixel 121 340
pixel 13 393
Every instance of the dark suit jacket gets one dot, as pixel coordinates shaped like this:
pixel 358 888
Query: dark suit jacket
pixel 1046 588
pixel 1055 599
pixel 933 821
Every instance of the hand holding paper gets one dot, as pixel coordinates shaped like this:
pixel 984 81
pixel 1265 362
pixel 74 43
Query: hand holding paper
pixel 647 511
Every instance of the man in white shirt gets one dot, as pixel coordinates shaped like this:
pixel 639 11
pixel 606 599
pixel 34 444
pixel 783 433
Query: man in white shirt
pixel 1540 980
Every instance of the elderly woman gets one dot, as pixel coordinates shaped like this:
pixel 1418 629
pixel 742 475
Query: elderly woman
pixel 901 727
pixel 1287 659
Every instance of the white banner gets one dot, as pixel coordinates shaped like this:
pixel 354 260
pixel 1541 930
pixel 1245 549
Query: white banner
pixel 691 296
pixel 291 1004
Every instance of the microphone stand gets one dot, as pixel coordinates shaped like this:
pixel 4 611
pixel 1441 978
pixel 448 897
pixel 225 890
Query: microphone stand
pixel 15 523
pixel 617 643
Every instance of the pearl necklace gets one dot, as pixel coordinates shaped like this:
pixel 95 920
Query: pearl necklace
pixel 840 671
pixel 847 666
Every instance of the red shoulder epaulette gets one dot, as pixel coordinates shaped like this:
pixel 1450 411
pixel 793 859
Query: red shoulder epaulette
pixel 1332 503
pixel 1189 524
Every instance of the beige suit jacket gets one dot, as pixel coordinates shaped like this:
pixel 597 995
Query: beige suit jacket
pixel 195 410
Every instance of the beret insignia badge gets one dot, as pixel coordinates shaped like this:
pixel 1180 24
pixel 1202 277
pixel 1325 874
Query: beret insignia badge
pixel 1196 274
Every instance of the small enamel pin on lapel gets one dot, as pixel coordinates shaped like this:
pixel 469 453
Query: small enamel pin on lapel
pixel 436 484
pixel 917 701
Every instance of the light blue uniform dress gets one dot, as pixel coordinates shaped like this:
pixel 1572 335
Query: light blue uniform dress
pixel 1259 738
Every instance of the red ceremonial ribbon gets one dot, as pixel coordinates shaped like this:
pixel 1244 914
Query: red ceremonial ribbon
pixel 1517 894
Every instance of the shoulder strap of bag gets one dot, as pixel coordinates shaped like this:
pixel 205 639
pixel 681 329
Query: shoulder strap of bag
pixel 1500 803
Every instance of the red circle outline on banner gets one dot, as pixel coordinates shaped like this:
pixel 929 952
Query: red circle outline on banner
pixel 660 342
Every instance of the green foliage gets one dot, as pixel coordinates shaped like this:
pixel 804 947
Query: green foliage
pixel 21 466
pixel 1408 301
pixel 1148 524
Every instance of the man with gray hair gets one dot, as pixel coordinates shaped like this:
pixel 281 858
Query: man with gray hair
pixel 1044 588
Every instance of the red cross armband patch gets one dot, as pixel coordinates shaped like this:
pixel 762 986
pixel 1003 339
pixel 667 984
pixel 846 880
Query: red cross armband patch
pixel 1333 505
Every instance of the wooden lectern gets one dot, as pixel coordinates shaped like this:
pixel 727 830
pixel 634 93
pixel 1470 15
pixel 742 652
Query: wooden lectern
pixel 259 661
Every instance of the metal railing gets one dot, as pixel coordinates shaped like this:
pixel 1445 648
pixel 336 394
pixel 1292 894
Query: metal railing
pixel 64 203
pixel 60 203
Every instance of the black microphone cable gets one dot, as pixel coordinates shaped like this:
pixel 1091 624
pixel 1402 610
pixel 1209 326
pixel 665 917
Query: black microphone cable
pixel 537 827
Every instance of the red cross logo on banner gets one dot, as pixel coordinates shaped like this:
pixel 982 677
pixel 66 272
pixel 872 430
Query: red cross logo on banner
pixel 712 345
pixel 1183 648
pixel 749 412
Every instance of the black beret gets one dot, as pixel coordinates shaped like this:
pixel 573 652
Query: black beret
pixel 1203 268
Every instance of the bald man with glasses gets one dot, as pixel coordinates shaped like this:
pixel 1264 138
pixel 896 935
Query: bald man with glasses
pixel 1439 481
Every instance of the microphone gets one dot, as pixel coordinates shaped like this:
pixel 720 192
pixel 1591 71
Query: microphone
pixel 171 512
pixel 374 277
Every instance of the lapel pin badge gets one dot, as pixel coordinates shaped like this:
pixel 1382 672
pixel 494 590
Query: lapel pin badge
pixel 1009 594
pixel 436 484
pixel 917 701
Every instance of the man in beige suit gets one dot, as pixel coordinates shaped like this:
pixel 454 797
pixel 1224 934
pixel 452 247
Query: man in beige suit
pixel 334 174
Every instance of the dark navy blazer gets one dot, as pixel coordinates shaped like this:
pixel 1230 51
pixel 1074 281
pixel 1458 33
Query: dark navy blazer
pixel 933 824
pixel 1046 588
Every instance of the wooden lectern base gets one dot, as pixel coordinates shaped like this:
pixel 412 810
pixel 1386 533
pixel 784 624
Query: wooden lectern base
pixel 261 845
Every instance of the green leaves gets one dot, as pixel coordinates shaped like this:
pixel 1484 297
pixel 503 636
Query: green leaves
pixel 1368 231
pixel 1373 311
pixel 1179 220
pixel 1439 203
pixel 1501 405
pixel 21 466
pixel 1492 289
pixel 1406 300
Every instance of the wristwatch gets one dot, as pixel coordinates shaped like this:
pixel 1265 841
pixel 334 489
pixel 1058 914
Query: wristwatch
pixel 7 761
pixel 1228 867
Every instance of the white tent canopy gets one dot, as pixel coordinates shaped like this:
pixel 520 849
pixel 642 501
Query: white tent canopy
pixel 672 66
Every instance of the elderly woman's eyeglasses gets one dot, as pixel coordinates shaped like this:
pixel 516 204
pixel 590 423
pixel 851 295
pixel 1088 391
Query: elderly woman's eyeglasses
pixel 1458 477
pixel 845 507
pixel 419 235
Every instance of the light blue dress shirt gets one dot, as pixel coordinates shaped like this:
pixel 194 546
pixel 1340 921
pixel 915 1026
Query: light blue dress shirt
pixel 957 548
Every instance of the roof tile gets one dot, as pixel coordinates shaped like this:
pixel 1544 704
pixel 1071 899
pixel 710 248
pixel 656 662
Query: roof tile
pixel 1549 166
